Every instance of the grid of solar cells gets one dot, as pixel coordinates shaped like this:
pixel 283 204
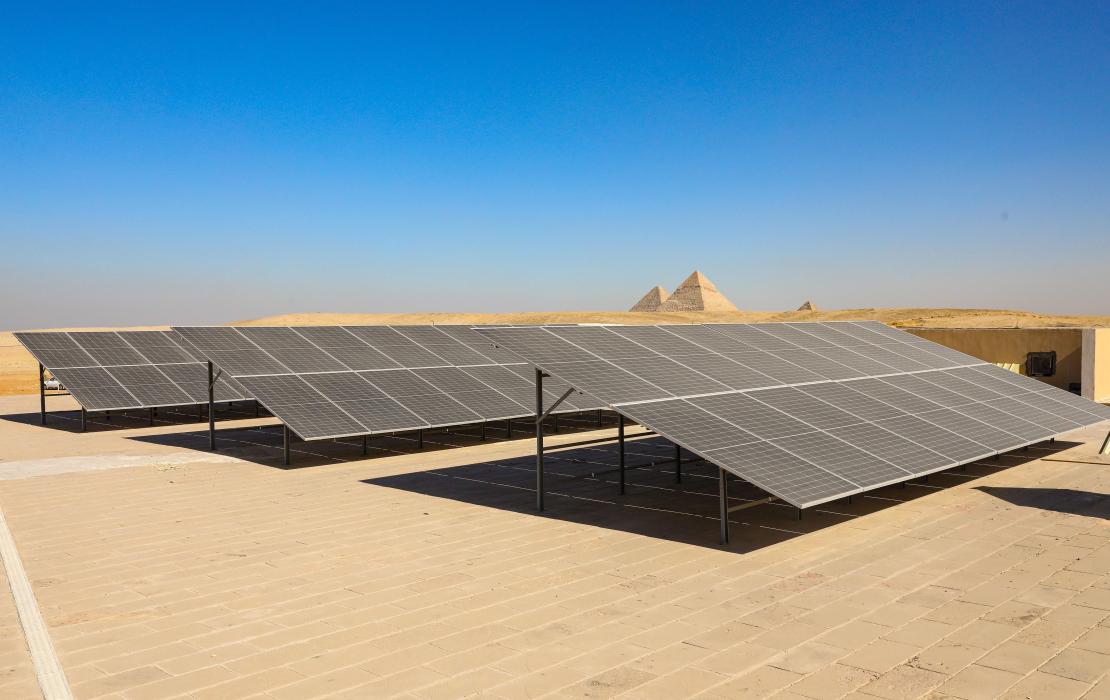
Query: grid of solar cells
pixel 109 370
pixel 373 379
pixel 849 405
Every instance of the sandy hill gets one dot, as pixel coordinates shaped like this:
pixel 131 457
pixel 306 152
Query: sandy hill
pixel 18 370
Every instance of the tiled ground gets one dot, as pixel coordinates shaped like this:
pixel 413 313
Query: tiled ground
pixel 17 678
pixel 429 575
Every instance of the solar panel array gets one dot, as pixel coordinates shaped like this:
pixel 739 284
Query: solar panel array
pixel 107 370
pixel 341 381
pixel 808 412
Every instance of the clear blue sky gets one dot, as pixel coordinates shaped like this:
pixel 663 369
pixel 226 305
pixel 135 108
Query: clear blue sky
pixel 203 163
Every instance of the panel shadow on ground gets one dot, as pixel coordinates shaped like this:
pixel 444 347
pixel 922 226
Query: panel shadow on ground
pixel 656 506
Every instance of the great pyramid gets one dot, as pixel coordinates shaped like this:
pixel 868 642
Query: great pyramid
pixel 808 306
pixel 652 301
pixel 697 293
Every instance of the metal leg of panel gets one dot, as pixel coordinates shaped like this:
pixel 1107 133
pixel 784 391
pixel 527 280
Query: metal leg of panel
pixel 285 443
pixel 722 489
pixel 42 394
pixel 620 448
pixel 849 500
pixel 84 420
pixel 365 447
pixel 555 423
pixel 539 440
pixel 211 409
pixel 599 417
pixel 200 412
pixel 420 439
pixel 509 429
pixel 150 416
pixel 108 415
pixel 799 514
pixel 1105 449
pixel 483 430
pixel 256 409
pixel 677 464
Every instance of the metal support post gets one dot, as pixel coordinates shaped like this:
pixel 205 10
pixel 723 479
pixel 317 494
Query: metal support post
pixel 722 489
pixel 211 409
pixel 555 423
pixel 483 430
pixel 620 447
pixel 509 429
pixel 84 420
pixel 1105 449
pixel 150 416
pixel 420 439
pixel 42 394
pixel 107 415
pixel 677 464
pixel 799 514
pixel 365 447
pixel 599 417
pixel 285 442
pixel 256 409
pixel 539 440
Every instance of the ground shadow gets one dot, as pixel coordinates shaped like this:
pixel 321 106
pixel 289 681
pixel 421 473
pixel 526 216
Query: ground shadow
pixel 69 421
pixel 1071 501
pixel 582 488
pixel 263 445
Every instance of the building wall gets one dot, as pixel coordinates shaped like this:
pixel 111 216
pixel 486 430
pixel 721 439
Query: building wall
pixel 1010 345
pixel 1096 364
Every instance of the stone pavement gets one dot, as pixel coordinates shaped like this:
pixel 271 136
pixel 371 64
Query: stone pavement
pixel 428 575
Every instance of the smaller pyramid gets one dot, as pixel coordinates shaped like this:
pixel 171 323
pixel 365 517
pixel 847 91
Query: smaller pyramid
pixel 808 306
pixel 652 301
pixel 697 293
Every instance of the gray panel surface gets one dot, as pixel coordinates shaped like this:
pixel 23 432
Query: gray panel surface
pixel 700 431
pixel 779 472
pixel 754 416
pixel 842 459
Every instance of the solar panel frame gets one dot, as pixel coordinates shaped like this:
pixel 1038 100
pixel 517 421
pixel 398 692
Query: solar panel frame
pixel 887 408
pixel 403 372
pixel 153 369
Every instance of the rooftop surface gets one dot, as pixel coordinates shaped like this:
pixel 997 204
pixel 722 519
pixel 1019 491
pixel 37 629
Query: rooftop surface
pixel 163 570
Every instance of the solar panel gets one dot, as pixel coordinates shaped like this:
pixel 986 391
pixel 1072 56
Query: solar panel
pixel 338 381
pixel 809 411
pixel 109 370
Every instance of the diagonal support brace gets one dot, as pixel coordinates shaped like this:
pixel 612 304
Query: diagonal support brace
pixel 555 405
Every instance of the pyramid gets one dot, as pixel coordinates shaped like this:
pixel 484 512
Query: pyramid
pixel 697 293
pixel 808 306
pixel 652 301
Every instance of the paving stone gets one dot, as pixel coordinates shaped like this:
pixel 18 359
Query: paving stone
pixel 903 682
pixel 832 681
pixel 1078 664
pixel 1044 685
pixel 880 656
pixel 979 683
pixel 1017 657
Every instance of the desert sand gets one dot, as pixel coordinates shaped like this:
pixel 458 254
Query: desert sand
pixel 18 369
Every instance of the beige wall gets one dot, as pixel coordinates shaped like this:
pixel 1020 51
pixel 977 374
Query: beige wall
pixel 1096 364
pixel 1010 346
